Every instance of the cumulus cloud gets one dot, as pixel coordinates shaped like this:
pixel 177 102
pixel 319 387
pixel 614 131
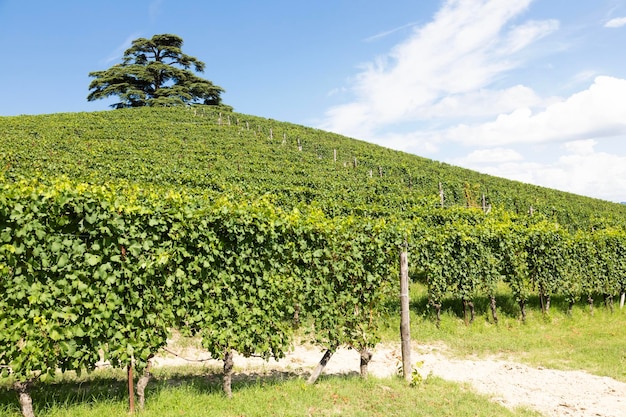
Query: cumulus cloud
pixel 442 65
pixel 599 111
pixel 616 22
pixel 580 170
pixel 488 156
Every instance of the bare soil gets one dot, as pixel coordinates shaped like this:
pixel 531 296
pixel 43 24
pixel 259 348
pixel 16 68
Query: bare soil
pixel 550 392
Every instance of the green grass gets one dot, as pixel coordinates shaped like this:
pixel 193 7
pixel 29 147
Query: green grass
pixel 192 393
pixel 583 341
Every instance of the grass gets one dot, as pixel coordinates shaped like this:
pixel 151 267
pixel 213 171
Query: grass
pixel 583 341
pixel 192 393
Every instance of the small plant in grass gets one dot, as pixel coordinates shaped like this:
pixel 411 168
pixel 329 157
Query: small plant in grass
pixel 416 377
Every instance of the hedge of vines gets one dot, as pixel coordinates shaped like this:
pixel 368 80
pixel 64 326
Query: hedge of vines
pixel 466 253
pixel 91 269
pixel 86 270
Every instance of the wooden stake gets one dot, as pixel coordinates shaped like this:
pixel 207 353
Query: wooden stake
pixel 335 155
pixel 405 324
pixel 131 389
pixel 441 194
pixel 320 367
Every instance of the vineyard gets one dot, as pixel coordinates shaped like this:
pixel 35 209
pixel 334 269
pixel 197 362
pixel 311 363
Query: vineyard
pixel 118 227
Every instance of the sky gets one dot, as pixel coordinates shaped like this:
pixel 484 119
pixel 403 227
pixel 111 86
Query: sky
pixel 530 90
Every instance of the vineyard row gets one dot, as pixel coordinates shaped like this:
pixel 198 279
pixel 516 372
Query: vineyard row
pixel 89 270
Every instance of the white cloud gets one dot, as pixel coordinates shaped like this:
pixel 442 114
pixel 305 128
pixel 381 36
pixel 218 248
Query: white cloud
pixel 580 170
pixel 445 64
pixel 521 36
pixel 615 23
pixel 486 156
pixel 580 147
pixel 599 111
pixel 483 102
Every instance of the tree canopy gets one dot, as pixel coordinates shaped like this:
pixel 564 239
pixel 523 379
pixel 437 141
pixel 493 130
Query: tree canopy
pixel 155 72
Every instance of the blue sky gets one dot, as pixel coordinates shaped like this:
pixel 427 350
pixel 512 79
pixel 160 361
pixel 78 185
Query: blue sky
pixel 533 90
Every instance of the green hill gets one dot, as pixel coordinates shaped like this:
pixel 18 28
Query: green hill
pixel 206 148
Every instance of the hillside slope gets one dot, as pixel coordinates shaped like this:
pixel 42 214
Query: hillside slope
pixel 205 148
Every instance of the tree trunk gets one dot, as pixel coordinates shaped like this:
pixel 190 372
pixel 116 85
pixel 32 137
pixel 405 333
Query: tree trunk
pixel 570 308
pixel 142 383
pixel 590 301
pixel 438 313
pixel 228 374
pixel 470 304
pixel 608 301
pixel 26 401
pixel 547 303
pixel 472 311
pixel 366 357
pixel 320 367
pixel 621 300
pixel 522 307
pixel 494 313
pixel 296 316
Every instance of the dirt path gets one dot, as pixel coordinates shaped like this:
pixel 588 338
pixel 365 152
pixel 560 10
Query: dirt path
pixel 551 392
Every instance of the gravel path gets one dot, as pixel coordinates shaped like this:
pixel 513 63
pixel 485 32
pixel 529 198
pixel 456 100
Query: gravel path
pixel 551 392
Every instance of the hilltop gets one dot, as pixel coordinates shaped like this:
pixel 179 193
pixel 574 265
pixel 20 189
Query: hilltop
pixel 208 148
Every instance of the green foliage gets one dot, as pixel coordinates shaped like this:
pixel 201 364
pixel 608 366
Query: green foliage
pixel 208 148
pixel 237 229
pixel 155 72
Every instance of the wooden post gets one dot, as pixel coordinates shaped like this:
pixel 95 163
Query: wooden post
pixel 271 134
pixel 335 155
pixel 355 161
pixel 320 367
pixel 405 324
pixel 441 194
pixel 380 171
pixel 299 145
pixel 621 301
pixel 131 389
